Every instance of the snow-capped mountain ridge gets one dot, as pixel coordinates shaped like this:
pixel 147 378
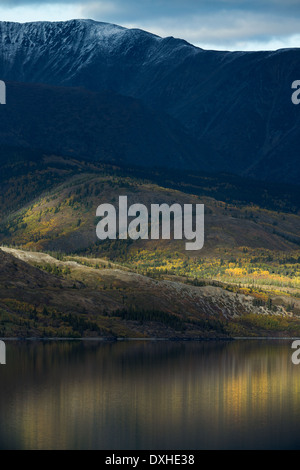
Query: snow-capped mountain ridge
pixel 54 52
pixel 232 103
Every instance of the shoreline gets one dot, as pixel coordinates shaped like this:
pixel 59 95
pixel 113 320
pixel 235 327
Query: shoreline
pixel 173 340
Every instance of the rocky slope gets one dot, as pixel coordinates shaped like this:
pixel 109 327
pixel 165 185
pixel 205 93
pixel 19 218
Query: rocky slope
pixel 72 300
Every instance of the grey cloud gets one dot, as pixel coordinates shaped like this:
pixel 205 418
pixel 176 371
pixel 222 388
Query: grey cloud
pixel 134 10
pixel 219 22
pixel 222 30
pixel 171 7
pixel 18 3
pixel 130 10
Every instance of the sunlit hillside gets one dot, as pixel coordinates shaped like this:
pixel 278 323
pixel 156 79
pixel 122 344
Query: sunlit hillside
pixel 244 282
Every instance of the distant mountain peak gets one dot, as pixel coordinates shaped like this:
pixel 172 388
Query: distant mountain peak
pixel 57 52
pixel 232 103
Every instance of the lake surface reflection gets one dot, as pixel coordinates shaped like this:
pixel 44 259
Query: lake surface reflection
pixel 150 395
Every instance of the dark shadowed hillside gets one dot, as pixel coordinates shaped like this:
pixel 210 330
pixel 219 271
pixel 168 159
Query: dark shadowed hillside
pixel 238 105
pixel 94 126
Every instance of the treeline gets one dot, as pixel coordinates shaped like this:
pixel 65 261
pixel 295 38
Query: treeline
pixel 153 315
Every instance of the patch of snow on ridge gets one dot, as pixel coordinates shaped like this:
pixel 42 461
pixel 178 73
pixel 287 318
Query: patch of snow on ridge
pixel 58 52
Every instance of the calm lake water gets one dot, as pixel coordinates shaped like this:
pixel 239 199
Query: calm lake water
pixel 150 395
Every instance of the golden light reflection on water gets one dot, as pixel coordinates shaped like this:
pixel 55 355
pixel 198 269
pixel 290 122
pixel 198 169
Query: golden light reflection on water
pixel 145 395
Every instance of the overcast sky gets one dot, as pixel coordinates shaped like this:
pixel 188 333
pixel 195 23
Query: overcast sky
pixel 211 24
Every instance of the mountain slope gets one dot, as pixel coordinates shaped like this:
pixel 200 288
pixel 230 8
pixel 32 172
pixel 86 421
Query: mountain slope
pixel 94 126
pixel 245 281
pixel 85 53
pixel 233 103
pixel 114 303
pixel 60 215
